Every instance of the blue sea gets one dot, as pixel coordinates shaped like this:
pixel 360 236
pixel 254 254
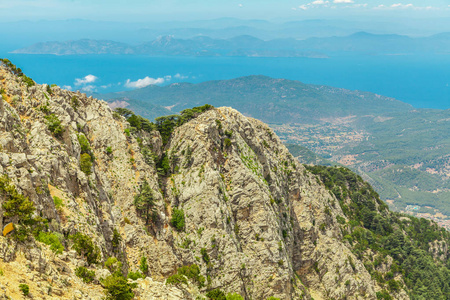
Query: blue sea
pixel 421 80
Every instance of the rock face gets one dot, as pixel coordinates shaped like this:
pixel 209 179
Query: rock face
pixel 257 222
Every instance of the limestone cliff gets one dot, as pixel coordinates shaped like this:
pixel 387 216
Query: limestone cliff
pixel 256 221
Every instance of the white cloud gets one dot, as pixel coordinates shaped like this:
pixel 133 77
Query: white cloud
pixel 401 5
pixel 319 2
pixel 67 87
pixel 140 83
pixel 89 88
pixel 240 5
pixel 85 80
pixel 180 76
pixel 405 6
pixel 303 7
pixel 344 1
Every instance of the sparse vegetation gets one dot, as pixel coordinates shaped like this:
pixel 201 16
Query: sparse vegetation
pixel 113 264
pixel 216 295
pixel 116 239
pixel 116 287
pixel 74 102
pixel 52 239
pixel 86 163
pixel 24 288
pixel 234 296
pixel 84 143
pixel 17 207
pixel 143 266
pixel 58 202
pixel 177 220
pixel 205 255
pixel 84 246
pixel 86 275
pixel 135 275
pixel 227 142
pixel 145 203
pixel 17 71
pixel 167 124
pixel 54 125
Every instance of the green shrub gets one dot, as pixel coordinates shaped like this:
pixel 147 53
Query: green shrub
pixel 28 81
pixel 24 288
pixel 116 287
pixel 74 102
pixel 167 124
pixel 135 275
pixel 227 142
pixel 16 205
pixel 192 272
pixel 273 298
pixel 84 246
pixel 205 255
pixel 54 125
pixel 49 90
pixel 176 279
pixel 219 124
pixel 85 274
pixel 145 203
pixel 113 265
pixel 216 295
pixel 143 265
pixel 117 238
pixel 234 296
pixel 340 220
pixel 84 143
pixel 177 220
pixel 109 150
pixel 58 202
pixel 229 133
pixel 86 163
pixel 393 285
pixel 383 295
pixel 51 239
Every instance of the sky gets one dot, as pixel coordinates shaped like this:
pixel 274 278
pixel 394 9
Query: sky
pixel 171 10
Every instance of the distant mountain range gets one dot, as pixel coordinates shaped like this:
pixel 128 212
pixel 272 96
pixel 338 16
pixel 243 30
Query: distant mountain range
pixel 249 46
pixel 167 45
pixel 401 150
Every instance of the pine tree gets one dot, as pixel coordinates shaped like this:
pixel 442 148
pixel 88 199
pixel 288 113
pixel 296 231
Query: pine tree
pixel 145 203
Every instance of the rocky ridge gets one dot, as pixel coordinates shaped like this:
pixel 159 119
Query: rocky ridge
pixel 256 221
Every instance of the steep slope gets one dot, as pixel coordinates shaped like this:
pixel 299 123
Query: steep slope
pixel 378 136
pixel 204 201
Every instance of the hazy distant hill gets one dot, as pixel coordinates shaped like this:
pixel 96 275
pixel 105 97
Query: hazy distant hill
pixel 271 100
pixel 167 45
pixel 78 47
pixel 247 45
pixel 403 151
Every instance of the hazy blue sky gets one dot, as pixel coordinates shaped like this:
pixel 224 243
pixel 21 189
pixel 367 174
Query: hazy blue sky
pixel 151 10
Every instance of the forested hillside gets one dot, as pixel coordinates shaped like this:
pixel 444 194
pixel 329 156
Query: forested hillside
pixel 398 250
